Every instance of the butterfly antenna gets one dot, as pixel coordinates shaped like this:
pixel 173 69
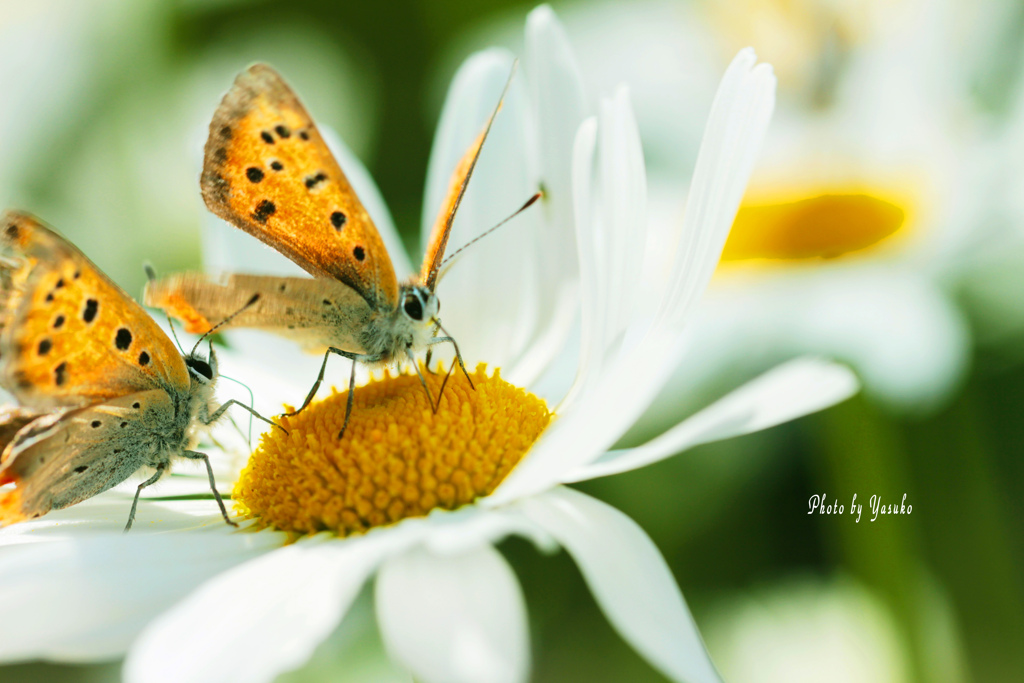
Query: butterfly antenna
pixel 225 321
pixel 151 276
pixel 524 207
pixel 170 324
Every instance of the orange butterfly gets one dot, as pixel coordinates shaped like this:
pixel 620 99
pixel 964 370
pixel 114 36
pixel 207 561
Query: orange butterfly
pixel 103 391
pixel 268 171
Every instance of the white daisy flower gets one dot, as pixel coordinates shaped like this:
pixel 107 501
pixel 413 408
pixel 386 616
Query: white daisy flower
pixel 448 605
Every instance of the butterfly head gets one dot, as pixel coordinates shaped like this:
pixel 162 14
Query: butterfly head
pixel 202 371
pixel 419 304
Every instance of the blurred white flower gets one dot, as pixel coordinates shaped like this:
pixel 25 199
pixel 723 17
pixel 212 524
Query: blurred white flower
pixel 869 203
pixel 864 207
pixel 808 631
pixel 448 605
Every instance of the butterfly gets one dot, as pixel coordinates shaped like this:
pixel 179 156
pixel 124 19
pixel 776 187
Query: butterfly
pixel 103 392
pixel 268 171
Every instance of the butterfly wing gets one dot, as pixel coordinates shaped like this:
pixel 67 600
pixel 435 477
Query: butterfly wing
pixel 314 313
pixel 68 334
pixel 456 190
pixel 70 455
pixel 268 171
pixel 12 420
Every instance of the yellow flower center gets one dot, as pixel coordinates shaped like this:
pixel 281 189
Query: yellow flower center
pixel 397 458
pixel 824 225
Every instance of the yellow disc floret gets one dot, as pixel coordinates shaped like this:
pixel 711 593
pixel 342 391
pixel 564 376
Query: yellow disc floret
pixel 397 458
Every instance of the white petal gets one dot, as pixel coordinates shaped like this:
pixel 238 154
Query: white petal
pixel 604 412
pixel 557 100
pixel 454 532
pixel 629 580
pixel 611 232
pixel 623 212
pixel 87 598
pixel 592 307
pixel 108 512
pixel 736 126
pixel 596 420
pixel 797 388
pixel 454 618
pixel 558 108
pixel 259 620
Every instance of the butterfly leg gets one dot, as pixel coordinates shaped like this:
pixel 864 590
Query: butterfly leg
pixel 227 404
pixel 444 383
pixel 423 381
pixel 352 383
pixel 458 356
pixel 430 354
pixel 319 380
pixel 351 397
pixel 135 503
pixel 195 455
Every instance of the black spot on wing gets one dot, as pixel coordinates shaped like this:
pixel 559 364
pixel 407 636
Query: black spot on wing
pixel 44 347
pixel 253 174
pixel 58 321
pixel 338 220
pixel 92 307
pixel 264 210
pixel 282 131
pixel 314 180
pixel 267 137
pixel 123 339
pixel 359 253
pixel 60 373
pixel 276 165
pixel 143 358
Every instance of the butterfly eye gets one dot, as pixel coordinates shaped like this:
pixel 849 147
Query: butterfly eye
pixel 201 367
pixel 413 307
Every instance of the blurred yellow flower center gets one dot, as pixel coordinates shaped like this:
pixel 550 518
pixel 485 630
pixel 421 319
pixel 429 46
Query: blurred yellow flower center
pixel 820 226
pixel 397 458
